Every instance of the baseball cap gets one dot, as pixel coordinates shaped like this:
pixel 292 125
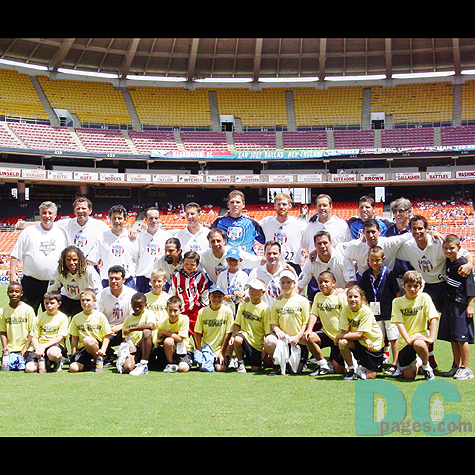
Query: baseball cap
pixel 256 284
pixel 217 288
pixel 289 274
pixel 234 253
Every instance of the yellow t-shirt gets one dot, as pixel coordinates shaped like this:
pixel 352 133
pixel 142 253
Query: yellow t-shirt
pixel 181 328
pixel 254 321
pixel 17 323
pixel 414 314
pixel 95 325
pixel 46 327
pixel 328 310
pixel 213 325
pixel 362 321
pixel 147 316
pixel 158 304
pixel 290 314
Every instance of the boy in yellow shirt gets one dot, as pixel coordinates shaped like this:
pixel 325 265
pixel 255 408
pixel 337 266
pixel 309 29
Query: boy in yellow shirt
pixel 90 334
pixel 48 334
pixel 173 338
pixel 157 298
pixel 252 324
pixel 213 328
pixel 413 313
pixel 17 320
pixel 137 332
pixel 288 320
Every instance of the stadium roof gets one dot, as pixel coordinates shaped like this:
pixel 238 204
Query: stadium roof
pixel 253 59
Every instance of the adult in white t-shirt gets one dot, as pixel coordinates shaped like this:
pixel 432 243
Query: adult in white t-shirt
pixel 194 237
pixel 150 246
pixel 285 229
pixel 82 230
pixel 114 247
pixel 39 247
pixel 213 260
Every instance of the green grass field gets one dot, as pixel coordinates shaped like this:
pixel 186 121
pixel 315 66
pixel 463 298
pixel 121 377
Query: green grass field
pixel 196 404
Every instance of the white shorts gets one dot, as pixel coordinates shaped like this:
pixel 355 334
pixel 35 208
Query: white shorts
pixel 389 330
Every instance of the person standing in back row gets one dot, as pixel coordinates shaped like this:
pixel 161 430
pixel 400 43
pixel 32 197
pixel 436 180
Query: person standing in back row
pixel 39 247
pixel 242 231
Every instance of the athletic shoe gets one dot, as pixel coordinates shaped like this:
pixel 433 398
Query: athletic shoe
pixel 428 374
pixel 320 371
pixel 139 370
pixel 350 375
pixel 463 373
pixel 451 372
pixel 171 368
pixel 123 352
pixel 233 363
pixel 361 372
pixel 241 368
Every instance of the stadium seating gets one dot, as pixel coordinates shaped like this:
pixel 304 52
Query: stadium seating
pixel 403 137
pixel 305 139
pixel 354 139
pixel 147 140
pixel 254 140
pixel 204 140
pixel 103 141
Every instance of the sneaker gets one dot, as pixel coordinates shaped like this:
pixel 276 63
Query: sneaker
pixel 463 373
pixel 123 352
pixel 361 372
pixel 350 375
pixel 241 368
pixel 451 372
pixel 140 369
pixel 233 363
pixel 321 370
pixel 171 368
pixel 428 374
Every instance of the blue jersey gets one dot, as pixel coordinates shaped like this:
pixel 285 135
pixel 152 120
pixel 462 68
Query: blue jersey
pixel 241 231
pixel 356 226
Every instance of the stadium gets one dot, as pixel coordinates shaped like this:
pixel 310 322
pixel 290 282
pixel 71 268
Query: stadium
pixel 166 121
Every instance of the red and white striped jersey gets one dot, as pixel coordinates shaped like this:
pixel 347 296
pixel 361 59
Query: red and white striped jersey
pixel 191 288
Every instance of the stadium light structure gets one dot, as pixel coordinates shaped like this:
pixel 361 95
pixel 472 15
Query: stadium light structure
pixel 223 80
pixel 367 77
pixel 23 65
pixel 422 75
pixel 79 72
pixel 289 79
pixel 133 77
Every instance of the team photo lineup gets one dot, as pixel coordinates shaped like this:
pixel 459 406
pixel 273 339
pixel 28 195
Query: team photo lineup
pixel 266 296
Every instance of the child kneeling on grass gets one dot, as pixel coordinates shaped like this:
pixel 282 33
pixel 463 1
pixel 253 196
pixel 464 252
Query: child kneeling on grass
pixel 413 313
pixel 360 335
pixel 173 341
pixel 47 336
pixel 90 334
pixel 137 333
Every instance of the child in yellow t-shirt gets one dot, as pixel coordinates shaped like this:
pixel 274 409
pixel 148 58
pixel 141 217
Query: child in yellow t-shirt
pixel 413 313
pixel 157 298
pixel 252 324
pixel 173 341
pixel 90 334
pixel 288 321
pixel 213 328
pixel 17 320
pixel 48 334
pixel 137 332
pixel 360 334
pixel 326 308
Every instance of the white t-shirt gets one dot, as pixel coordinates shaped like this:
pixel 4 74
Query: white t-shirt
pixel 341 267
pixel 193 242
pixel 272 282
pixel 82 236
pixel 288 234
pixel 213 266
pixel 337 227
pixel 39 250
pixel 115 308
pixel 149 248
pixel 72 285
pixel 115 250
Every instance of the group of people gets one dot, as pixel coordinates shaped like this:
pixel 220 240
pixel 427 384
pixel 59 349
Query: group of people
pixel 370 289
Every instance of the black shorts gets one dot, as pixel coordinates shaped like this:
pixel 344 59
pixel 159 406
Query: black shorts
pixel 159 361
pixel 69 306
pixel 371 360
pixel 83 357
pixel 252 357
pixel 407 357
pixel 327 342
pixel 454 324
pixel 34 291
